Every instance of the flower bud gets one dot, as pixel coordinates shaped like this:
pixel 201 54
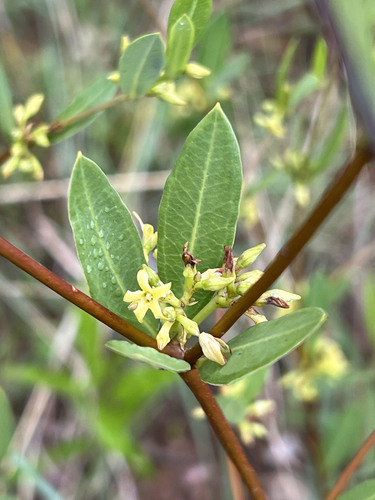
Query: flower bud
pixel 166 91
pixel 114 77
pixel 39 136
pixel 169 313
pixel 251 276
pixel 279 298
pixel 212 281
pixel 249 256
pixel 125 41
pixel 255 316
pixel 190 326
pixel 196 70
pixel 32 106
pixel 213 348
pixel 163 338
pixel 153 278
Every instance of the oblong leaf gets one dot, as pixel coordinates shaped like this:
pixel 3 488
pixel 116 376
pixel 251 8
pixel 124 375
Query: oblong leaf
pixel 148 355
pixel 180 44
pixel 141 65
pixel 200 199
pixel 107 240
pixel 363 491
pixel 7 121
pixel 100 91
pixel 199 12
pixel 263 344
pixel 6 423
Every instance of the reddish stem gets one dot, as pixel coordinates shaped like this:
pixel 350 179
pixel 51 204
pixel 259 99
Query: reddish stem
pixel 73 295
pixel 351 467
pixel 288 252
pixel 224 432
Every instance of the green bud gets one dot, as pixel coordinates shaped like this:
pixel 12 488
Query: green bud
pixel 114 77
pixel 249 256
pixel 196 70
pixel 32 106
pixel 125 41
pixel 251 276
pixel 279 298
pixel 39 136
pixel 166 91
pixel 163 338
pixel 169 312
pixel 10 166
pixel 255 316
pixel 153 278
pixel 212 281
pixel 190 326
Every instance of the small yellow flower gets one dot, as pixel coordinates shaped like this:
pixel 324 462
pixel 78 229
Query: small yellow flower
pixel 147 297
pixel 149 237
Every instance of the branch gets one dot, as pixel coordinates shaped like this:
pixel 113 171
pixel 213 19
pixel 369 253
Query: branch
pixel 201 391
pixel 73 295
pixel 351 467
pixel 224 432
pixel 290 250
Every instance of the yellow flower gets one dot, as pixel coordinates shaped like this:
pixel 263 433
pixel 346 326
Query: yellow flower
pixel 147 297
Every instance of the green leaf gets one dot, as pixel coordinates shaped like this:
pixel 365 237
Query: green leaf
pixel 141 65
pixel 353 25
pixel 369 307
pixel 363 491
pixel 100 91
pixel 179 46
pixel 30 375
pixel 262 345
pixel 199 11
pixel 319 59
pixel 200 199
pixel 341 435
pixel 332 142
pixel 148 355
pixel 283 72
pixel 7 121
pixel 215 45
pixel 6 423
pixel 304 87
pixel 107 240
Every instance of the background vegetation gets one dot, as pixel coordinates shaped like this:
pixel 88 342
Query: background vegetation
pixel 89 425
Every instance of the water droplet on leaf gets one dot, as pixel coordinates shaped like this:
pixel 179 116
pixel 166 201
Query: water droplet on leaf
pixel 88 268
pixel 100 265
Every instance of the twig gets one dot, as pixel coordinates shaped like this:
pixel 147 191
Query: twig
pixel 289 251
pixel 201 391
pixel 351 467
pixel 224 432
pixel 73 295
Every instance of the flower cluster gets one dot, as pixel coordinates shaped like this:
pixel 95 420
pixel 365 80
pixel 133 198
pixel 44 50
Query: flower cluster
pixel 25 134
pixel 228 282
pixel 324 361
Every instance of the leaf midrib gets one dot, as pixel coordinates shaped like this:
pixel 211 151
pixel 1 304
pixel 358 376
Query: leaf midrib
pixel 201 191
pixel 274 336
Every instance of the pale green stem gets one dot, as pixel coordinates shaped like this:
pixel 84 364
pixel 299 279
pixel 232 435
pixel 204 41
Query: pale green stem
pixel 206 311
pixel 61 125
